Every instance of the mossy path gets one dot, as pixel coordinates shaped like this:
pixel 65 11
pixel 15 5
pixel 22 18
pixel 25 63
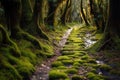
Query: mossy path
pixel 75 63
pixel 71 60
pixel 42 70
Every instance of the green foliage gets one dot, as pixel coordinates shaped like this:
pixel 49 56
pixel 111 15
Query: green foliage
pixel 57 75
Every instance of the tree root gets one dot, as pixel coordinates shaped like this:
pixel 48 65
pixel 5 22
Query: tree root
pixel 24 35
pixel 35 29
pixel 6 40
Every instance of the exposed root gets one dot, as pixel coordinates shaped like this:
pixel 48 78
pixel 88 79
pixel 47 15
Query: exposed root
pixel 6 40
pixel 30 38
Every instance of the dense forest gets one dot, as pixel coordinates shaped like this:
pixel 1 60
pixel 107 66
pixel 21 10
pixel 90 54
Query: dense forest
pixel 59 40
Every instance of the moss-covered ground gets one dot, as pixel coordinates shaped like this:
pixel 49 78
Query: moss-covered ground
pixel 75 63
pixel 19 58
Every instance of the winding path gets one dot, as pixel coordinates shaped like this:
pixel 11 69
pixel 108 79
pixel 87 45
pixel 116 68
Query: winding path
pixel 42 71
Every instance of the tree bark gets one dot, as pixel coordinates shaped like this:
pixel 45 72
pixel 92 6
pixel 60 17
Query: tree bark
pixel 13 14
pixel 83 14
pixel 65 11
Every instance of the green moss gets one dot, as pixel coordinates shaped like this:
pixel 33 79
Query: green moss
pixel 30 55
pixel 25 68
pixel 79 54
pixel 86 57
pixel 23 65
pixel 63 58
pixel 98 36
pixel 76 64
pixel 93 61
pixel 8 71
pixel 79 61
pixel 71 71
pixel 77 77
pixel 57 64
pixel 57 75
pixel 105 67
pixel 61 67
pixel 67 62
pixel 67 53
pixel 92 76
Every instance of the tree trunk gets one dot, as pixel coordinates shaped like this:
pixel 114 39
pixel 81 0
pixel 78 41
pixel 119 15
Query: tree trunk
pixel 65 11
pixel 111 36
pixel 26 14
pixel 13 14
pixel 36 29
pixel 83 14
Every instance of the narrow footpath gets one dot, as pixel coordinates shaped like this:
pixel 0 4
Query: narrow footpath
pixel 42 71
pixel 75 63
pixel 72 61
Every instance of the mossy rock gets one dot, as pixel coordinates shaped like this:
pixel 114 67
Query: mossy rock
pixel 76 64
pixel 67 53
pixel 77 77
pixel 57 64
pixel 57 75
pixel 63 58
pixel 105 67
pixel 93 76
pixel 79 54
pixel 93 61
pixel 86 57
pixel 71 71
pixel 62 67
pixel 79 61
pixel 67 62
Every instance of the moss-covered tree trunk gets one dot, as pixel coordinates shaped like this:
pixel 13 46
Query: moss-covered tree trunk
pixel 31 17
pixel 97 10
pixel 111 36
pixel 36 28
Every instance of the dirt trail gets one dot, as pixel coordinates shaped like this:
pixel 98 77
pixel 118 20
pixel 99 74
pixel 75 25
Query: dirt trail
pixel 42 71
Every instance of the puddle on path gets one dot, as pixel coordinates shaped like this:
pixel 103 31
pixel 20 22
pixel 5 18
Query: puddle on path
pixel 88 40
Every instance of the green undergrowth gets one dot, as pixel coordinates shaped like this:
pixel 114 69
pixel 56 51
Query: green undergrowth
pixel 18 57
pixel 20 68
